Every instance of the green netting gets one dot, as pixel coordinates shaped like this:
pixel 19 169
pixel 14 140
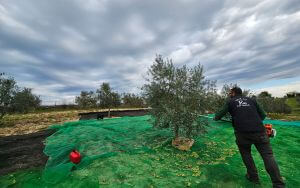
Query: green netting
pixel 279 122
pixel 127 152
pixel 269 121
pixel 98 140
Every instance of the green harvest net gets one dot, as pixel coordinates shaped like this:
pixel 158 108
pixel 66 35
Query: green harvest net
pixel 128 152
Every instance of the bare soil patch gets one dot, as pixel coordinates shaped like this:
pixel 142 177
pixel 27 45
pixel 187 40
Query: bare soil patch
pixel 22 151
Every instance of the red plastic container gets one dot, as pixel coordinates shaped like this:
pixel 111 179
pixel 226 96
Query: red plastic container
pixel 75 157
pixel 269 129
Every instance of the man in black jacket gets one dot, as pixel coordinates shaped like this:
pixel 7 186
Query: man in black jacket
pixel 247 118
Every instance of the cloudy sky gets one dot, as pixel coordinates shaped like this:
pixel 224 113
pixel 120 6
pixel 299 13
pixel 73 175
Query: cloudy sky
pixel 61 47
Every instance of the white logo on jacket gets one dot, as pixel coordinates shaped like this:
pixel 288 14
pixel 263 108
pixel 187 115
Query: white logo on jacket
pixel 242 102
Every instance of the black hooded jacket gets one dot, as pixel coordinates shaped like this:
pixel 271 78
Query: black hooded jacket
pixel 246 114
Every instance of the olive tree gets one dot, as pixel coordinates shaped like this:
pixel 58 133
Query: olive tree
pixel 87 99
pixel 8 88
pixel 132 100
pixel 177 96
pixel 108 98
pixel 272 104
pixel 14 99
pixel 25 101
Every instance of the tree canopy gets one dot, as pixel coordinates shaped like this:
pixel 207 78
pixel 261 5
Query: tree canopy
pixel 177 96
pixel 14 99
pixel 108 98
pixel 8 88
pixel 87 99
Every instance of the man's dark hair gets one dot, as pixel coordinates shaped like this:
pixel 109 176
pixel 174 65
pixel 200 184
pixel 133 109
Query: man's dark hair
pixel 237 90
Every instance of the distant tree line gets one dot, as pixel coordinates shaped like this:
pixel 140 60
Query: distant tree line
pixel 105 97
pixel 293 94
pixel 14 99
pixel 273 104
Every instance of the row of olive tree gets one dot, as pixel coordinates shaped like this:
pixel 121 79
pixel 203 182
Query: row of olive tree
pixel 105 97
pixel 14 99
pixel 273 104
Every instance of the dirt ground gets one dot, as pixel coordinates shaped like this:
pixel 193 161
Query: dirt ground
pixel 21 152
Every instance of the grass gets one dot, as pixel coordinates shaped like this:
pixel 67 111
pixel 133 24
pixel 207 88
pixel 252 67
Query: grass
pixel 284 117
pixel 214 161
pixel 294 104
pixel 293 116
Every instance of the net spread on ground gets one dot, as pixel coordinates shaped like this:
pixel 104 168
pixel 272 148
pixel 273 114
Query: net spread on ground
pixel 128 152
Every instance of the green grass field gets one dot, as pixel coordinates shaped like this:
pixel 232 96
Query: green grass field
pixel 293 103
pixel 129 153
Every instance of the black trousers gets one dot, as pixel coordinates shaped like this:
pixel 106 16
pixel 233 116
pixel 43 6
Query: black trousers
pixel 262 144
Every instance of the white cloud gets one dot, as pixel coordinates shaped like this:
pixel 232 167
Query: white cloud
pixel 182 55
pixel 280 91
pixel 197 47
